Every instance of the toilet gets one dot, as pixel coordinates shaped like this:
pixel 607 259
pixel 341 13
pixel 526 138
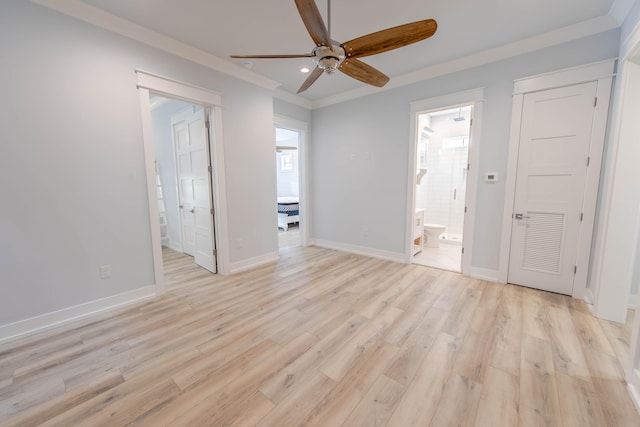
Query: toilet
pixel 433 232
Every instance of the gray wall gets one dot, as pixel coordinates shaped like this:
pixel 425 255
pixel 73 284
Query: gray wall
pixel 359 151
pixel 72 177
pixel 286 109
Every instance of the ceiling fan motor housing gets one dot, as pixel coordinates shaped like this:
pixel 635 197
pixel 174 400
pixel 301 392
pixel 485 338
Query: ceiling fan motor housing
pixel 329 58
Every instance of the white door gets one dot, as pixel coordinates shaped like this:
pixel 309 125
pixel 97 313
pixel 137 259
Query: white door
pixel 550 180
pixel 192 165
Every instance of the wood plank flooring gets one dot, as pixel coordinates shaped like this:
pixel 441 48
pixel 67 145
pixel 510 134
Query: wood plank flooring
pixel 324 338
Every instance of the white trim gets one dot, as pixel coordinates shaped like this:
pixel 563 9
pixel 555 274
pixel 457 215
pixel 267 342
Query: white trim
pixel 589 298
pixel 631 45
pixel 47 321
pixel 100 18
pixel 563 35
pixel 152 197
pixel 115 24
pixel 203 97
pixel 566 77
pixel 634 392
pixel 629 66
pixel 483 274
pixel 293 99
pixel 602 72
pixel 168 86
pixel 219 189
pixel 510 186
pixel 633 301
pixel 251 263
pixel 303 167
pixel 620 9
pixel 592 183
pixel 475 98
pixel 359 250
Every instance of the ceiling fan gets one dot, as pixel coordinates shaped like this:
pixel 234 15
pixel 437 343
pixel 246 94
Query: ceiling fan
pixel 330 55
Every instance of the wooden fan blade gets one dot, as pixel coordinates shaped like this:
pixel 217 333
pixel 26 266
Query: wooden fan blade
pixel 391 38
pixel 304 55
pixel 364 72
pixel 313 21
pixel 317 72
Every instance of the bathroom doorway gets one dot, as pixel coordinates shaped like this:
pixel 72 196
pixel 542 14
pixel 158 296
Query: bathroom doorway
pixel 441 186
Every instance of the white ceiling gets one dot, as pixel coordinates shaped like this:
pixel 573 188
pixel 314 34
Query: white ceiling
pixel 465 27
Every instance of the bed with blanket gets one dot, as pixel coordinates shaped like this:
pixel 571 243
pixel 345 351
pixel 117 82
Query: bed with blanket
pixel 288 211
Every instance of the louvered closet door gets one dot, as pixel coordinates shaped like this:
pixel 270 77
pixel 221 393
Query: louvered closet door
pixel 552 165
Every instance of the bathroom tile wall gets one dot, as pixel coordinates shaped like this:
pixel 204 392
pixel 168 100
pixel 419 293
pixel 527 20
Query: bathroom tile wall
pixel 446 176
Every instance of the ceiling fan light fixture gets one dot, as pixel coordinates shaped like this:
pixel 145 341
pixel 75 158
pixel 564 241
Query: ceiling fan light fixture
pixel 329 64
pixel 328 58
pixel 304 70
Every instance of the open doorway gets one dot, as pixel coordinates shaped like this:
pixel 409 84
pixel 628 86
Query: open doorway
pixel 183 183
pixel 288 181
pixel 441 186
pixel 290 157
pixel 211 102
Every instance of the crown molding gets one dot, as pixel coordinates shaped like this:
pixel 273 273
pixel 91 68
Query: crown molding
pixel 98 17
pixel 620 9
pixel 573 32
pixel 293 99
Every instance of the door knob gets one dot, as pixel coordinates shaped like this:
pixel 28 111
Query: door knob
pixel 192 210
pixel 521 216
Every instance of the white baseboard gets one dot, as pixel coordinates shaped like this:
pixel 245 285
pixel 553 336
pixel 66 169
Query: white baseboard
pixel 248 264
pixel 360 250
pixel 483 274
pixel 30 326
pixel 633 299
pixel 588 297
pixel 175 247
pixel 635 395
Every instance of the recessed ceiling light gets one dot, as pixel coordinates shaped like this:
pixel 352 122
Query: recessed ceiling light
pixel 304 70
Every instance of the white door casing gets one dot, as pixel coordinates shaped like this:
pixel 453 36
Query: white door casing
pixel 146 83
pixel 194 194
pixel 550 182
pixel 475 98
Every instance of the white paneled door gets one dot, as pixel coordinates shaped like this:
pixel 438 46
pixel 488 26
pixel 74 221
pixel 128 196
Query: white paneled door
pixel 553 159
pixel 192 166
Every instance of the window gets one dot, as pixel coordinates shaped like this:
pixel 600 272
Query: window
pixel 286 163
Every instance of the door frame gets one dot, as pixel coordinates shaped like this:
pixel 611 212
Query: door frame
pixel 212 102
pixel 603 73
pixel 303 200
pixel 475 98
pixel 612 295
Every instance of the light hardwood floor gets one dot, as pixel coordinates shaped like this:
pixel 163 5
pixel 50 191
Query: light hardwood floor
pixel 323 338
pixel 289 238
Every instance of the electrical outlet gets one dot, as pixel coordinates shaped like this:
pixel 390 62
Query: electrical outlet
pixel 105 271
